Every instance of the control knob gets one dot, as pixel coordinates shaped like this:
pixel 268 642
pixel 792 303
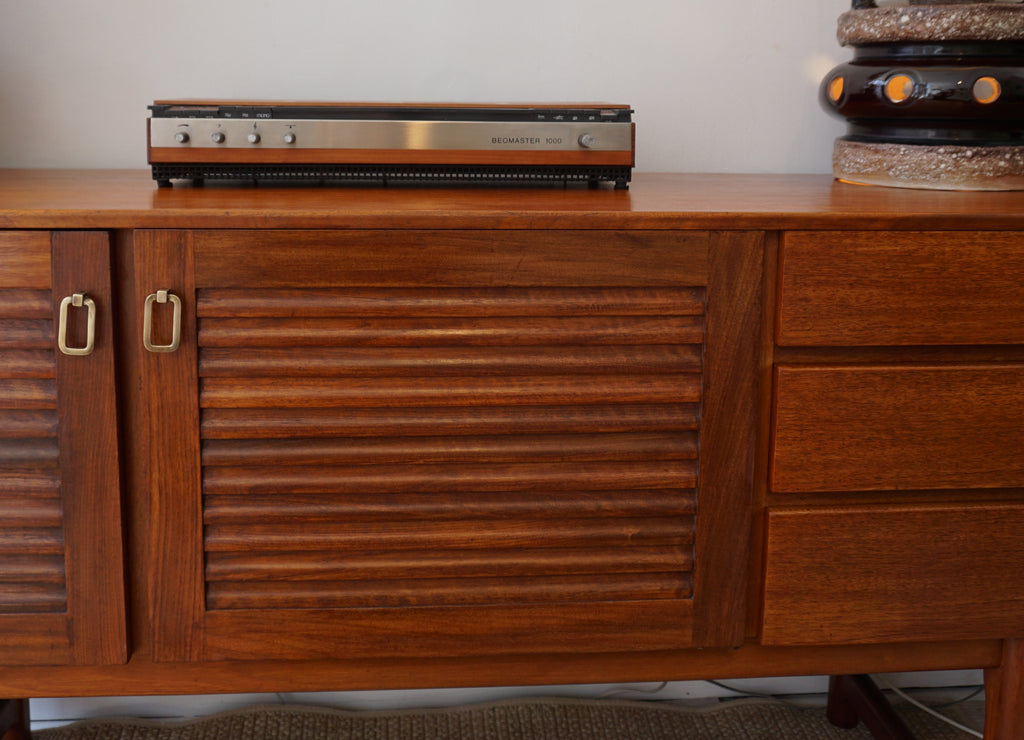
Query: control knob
pixel 587 140
pixel 217 137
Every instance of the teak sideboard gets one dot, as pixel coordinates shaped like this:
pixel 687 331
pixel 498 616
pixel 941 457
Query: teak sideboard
pixel 297 439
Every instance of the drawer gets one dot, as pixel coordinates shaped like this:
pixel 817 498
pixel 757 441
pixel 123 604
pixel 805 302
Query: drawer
pixel 891 427
pixel 887 573
pixel 901 288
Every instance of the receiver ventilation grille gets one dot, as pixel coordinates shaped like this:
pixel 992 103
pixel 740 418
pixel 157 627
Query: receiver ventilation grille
pixel 468 174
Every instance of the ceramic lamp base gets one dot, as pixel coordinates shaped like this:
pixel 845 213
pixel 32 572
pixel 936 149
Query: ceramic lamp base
pixel 930 167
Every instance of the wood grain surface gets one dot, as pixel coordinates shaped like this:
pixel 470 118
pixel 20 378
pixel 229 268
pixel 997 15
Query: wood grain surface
pixel 437 436
pixel 894 288
pixel 890 573
pixel 107 199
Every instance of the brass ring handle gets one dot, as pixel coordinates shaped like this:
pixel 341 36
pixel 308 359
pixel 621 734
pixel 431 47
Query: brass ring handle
pixel 78 300
pixel 161 296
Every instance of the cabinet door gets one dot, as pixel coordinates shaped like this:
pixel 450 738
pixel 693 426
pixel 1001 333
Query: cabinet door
pixel 418 444
pixel 61 560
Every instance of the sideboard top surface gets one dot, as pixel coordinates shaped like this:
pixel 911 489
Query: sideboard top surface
pixel 113 199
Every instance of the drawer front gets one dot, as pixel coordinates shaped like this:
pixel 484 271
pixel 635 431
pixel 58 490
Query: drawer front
pixel 864 428
pixel 901 288
pixel 886 573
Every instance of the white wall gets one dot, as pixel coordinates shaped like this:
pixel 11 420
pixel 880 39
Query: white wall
pixel 941 687
pixel 717 86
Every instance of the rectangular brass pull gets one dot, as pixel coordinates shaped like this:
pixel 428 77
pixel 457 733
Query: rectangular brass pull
pixel 161 296
pixel 77 300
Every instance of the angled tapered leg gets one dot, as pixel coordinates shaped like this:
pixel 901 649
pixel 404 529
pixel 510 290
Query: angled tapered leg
pixel 1004 695
pixel 14 719
pixel 853 699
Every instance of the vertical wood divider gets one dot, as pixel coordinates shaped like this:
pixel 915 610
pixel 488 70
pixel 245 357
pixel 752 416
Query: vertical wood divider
pixel 169 389
pixel 730 414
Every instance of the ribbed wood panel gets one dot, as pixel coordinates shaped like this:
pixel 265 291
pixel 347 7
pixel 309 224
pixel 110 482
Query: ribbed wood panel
pixel 438 447
pixel 471 302
pixel 443 331
pixel 32 576
pixel 337 362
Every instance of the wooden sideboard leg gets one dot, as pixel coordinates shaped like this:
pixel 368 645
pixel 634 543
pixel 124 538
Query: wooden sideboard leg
pixel 856 698
pixel 14 719
pixel 840 711
pixel 1004 694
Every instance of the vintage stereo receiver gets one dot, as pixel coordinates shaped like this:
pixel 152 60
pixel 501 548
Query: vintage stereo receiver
pixel 324 142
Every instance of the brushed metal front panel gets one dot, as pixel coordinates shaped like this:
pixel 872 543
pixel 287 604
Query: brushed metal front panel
pixel 218 133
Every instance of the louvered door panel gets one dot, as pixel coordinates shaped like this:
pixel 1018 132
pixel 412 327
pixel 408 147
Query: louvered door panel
pixel 415 444
pixel 31 515
pixel 33 583
pixel 407 472
pixel 49 552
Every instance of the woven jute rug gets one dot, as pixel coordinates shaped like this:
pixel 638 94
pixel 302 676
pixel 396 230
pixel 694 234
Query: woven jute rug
pixel 538 719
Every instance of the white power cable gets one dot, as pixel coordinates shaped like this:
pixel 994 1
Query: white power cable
pixel 919 705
